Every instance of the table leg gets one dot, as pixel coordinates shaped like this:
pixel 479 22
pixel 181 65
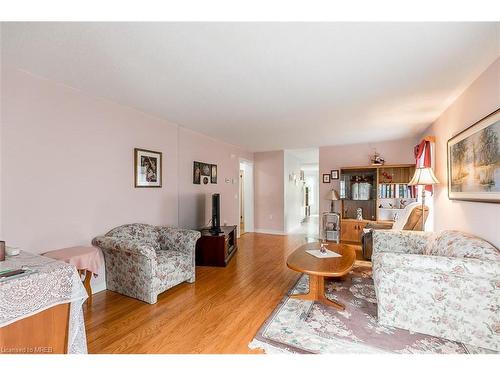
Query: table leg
pixel 317 293
pixel 86 284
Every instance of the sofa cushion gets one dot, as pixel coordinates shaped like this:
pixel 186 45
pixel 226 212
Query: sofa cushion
pixel 171 261
pixel 453 243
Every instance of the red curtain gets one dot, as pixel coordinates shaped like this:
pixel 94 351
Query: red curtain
pixel 422 153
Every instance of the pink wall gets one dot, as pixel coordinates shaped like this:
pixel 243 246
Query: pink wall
pixel 480 99
pixel 67 166
pixel 269 191
pixel 195 200
pixel 335 157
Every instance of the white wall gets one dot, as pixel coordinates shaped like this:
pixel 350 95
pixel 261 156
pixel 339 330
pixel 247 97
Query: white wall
pixel 294 210
pixel 248 194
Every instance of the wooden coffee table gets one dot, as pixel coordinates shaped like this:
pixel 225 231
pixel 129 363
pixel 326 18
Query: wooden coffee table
pixel 319 268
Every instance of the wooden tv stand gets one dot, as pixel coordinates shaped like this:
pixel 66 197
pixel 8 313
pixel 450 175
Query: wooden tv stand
pixel 216 249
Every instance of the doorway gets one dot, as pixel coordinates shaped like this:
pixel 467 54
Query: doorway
pixel 246 198
pixel 242 200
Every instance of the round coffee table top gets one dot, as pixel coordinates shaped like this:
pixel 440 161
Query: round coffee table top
pixel 301 261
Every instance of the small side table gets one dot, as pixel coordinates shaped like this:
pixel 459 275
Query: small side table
pixel 87 260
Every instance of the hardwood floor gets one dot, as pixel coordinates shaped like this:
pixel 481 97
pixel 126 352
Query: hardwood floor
pixel 219 313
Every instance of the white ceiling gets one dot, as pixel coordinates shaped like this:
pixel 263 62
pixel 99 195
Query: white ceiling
pixel 266 86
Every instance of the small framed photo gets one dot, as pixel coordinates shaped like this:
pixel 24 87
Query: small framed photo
pixel 213 173
pixel 334 173
pixel 326 178
pixel 147 168
pixel 196 173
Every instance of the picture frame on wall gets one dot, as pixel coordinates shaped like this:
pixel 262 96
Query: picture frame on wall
pixel 474 162
pixel 334 173
pixel 213 173
pixel 147 168
pixel 196 173
pixel 326 178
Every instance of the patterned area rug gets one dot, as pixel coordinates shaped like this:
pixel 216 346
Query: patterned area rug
pixel 297 326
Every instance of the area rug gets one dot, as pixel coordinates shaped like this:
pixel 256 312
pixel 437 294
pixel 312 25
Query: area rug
pixel 297 326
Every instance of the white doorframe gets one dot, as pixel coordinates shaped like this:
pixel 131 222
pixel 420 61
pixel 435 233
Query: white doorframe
pixel 248 196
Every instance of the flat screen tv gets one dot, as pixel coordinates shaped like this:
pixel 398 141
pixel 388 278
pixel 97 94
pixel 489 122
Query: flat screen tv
pixel 215 229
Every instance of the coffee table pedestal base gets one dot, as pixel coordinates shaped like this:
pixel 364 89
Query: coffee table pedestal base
pixel 317 293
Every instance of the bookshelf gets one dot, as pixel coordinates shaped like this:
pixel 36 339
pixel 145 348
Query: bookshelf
pixel 381 191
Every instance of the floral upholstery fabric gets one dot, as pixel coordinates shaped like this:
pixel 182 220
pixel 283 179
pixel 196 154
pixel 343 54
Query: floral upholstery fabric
pixel 454 297
pixel 143 260
pixel 453 243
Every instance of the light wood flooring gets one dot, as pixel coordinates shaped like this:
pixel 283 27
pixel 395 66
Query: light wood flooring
pixel 219 313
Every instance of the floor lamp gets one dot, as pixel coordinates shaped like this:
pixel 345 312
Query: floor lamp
pixel 423 176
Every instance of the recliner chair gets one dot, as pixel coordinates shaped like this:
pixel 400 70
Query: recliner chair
pixel 409 219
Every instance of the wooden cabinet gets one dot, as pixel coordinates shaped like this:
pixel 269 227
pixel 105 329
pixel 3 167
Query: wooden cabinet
pixel 216 249
pixel 351 230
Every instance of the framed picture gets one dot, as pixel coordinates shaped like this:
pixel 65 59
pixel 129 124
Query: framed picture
pixel 196 172
pixel 334 174
pixel 326 178
pixel 147 168
pixel 474 161
pixel 213 173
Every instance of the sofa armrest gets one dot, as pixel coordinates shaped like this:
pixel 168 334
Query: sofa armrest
pixel 137 247
pixel 402 241
pixel 378 226
pixel 439 265
pixel 183 240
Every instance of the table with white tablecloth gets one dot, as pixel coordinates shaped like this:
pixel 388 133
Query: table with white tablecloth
pixel 53 283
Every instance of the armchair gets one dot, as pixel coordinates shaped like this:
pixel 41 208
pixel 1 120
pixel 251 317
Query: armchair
pixel 444 284
pixel 409 219
pixel 143 260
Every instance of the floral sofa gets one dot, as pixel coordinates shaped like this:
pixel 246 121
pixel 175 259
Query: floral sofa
pixel 143 260
pixel 444 284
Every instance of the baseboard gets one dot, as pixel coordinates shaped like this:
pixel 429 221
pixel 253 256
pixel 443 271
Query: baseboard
pixel 270 231
pixel 98 287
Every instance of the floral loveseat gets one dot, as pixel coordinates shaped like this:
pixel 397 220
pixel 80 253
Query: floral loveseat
pixel 143 260
pixel 445 284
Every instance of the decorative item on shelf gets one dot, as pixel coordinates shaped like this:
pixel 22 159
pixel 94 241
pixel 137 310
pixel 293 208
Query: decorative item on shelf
pixel 376 159
pixel 332 196
pixel 360 188
pixel 476 178
pixel 359 214
pixel 387 178
pixel 423 177
pixel 326 178
pixel 147 168
pixel 334 173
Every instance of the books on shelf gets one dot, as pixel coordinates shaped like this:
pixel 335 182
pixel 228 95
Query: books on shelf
pixel 395 191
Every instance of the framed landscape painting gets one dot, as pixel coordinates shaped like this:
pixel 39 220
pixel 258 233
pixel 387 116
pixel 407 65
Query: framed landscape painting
pixel 147 168
pixel 474 162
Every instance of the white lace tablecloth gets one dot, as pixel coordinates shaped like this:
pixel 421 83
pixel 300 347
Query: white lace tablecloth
pixel 54 283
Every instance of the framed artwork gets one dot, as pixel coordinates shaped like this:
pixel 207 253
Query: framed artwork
pixel 213 173
pixel 204 173
pixel 326 178
pixel 147 168
pixel 196 173
pixel 474 161
pixel 334 173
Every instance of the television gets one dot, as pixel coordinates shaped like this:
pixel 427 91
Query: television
pixel 215 229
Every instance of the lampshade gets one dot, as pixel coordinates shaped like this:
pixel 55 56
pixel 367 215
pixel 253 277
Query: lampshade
pixel 423 176
pixel 332 195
